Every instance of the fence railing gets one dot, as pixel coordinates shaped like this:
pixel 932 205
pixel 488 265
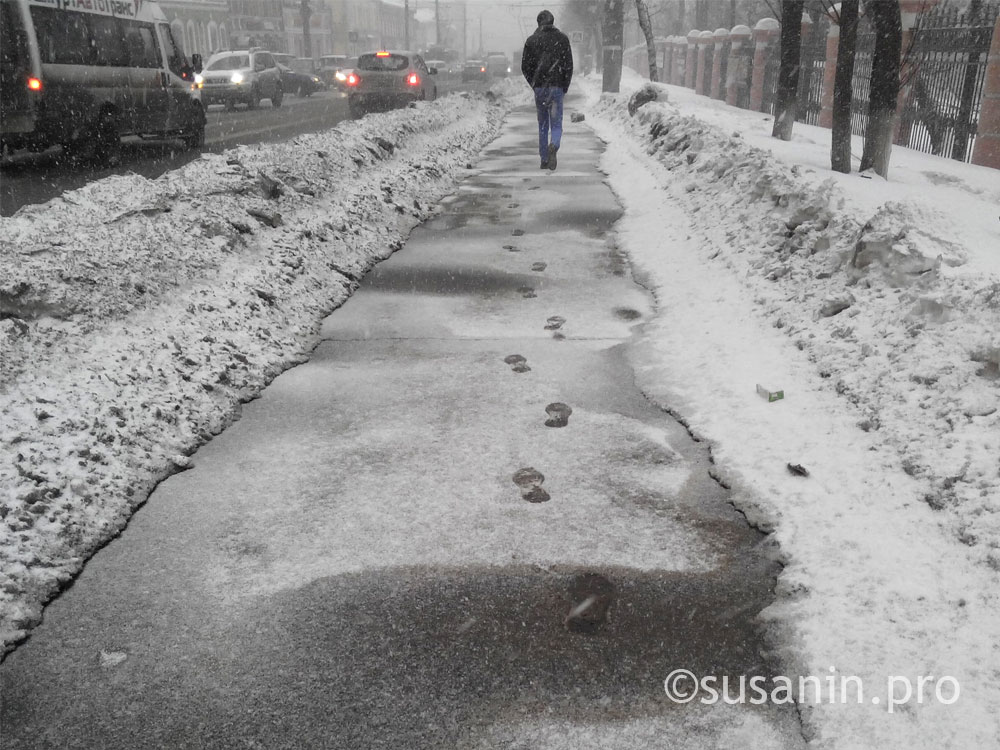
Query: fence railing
pixel 944 71
pixel 741 62
pixel 944 68
pixel 944 74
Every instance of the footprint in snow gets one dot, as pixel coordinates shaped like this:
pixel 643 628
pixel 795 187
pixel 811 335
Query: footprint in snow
pixel 517 232
pixel 527 291
pixel 512 248
pixel 517 363
pixel 627 313
pixel 540 266
pixel 554 323
pixel 529 481
pixel 558 414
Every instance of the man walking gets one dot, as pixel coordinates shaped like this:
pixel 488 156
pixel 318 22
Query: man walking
pixel 547 66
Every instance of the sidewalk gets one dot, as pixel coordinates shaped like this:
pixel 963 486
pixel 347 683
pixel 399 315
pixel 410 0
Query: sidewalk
pixel 354 563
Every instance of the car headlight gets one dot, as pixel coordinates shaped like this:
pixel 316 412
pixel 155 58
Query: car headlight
pixel 315 79
pixel 199 79
pixel 236 77
pixel 340 76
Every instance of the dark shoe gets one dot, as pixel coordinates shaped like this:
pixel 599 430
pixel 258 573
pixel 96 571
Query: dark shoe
pixel 552 155
pixel 545 165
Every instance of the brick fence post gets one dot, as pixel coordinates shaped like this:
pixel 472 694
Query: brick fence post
pixel 987 149
pixel 706 40
pixel 715 89
pixel 764 34
pixel 740 37
pixel 830 69
pixel 690 65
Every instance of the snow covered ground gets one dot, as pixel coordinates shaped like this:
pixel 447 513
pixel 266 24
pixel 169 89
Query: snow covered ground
pixel 875 307
pixel 136 315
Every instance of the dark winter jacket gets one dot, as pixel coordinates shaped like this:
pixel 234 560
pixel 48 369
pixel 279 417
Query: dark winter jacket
pixel 547 59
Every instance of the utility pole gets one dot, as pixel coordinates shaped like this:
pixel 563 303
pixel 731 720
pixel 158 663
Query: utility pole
pixel 406 24
pixel 437 22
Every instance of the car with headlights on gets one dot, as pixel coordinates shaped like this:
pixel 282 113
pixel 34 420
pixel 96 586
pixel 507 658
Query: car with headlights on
pixel 385 79
pixel 240 77
pixel 331 69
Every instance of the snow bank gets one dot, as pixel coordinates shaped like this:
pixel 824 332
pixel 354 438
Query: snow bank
pixel 137 315
pixel 885 303
pixel 874 306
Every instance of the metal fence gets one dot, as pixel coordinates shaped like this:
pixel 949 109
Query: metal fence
pixel 943 72
pixel 722 50
pixel 812 61
pixel 772 64
pixel 709 61
pixel 812 67
pixel 742 73
pixel 864 48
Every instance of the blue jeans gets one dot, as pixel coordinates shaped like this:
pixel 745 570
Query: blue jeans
pixel 549 105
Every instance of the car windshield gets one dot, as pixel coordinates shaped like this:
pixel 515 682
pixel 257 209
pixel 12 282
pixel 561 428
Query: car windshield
pixel 229 62
pixel 383 62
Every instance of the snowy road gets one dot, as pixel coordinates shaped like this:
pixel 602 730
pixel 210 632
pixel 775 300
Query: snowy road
pixel 356 563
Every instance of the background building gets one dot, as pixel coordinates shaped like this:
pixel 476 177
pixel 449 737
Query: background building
pixel 201 26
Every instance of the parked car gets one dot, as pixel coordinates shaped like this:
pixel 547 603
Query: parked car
pixel 474 70
pixel 299 83
pixel 242 76
pixel 389 78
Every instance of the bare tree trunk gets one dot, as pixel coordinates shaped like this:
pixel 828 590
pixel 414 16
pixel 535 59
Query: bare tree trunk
pixel 788 74
pixel 840 148
pixel 884 90
pixel 701 15
pixel 647 31
pixel 681 15
pixel 732 13
pixel 614 37
pixel 306 12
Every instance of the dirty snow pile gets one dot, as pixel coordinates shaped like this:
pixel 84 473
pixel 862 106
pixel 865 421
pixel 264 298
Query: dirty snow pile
pixel 875 306
pixel 136 315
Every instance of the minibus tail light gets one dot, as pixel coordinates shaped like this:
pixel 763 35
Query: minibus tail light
pixel 35 84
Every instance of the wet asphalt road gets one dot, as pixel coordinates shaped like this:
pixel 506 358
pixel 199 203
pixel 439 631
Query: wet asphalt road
pixel 359 562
